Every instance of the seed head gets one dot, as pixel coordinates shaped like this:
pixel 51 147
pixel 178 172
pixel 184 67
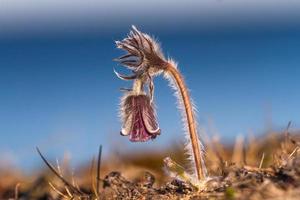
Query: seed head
pixel 143 57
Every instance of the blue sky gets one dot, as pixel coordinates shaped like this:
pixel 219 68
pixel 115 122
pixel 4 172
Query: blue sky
pixel 58 90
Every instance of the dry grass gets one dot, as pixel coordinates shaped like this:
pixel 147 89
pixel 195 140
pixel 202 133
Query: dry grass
pixel 254 168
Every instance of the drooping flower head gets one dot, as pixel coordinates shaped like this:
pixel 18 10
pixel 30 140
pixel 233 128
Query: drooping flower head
pixel 145 59
pixel 139 120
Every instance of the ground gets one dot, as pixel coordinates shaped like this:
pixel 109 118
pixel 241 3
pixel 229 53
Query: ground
pixel 263 168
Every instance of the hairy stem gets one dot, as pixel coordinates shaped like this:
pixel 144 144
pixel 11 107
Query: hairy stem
pixel 190 118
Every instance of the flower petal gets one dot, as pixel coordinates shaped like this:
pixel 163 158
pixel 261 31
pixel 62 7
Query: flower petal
pixel 149 119
pixel 138 118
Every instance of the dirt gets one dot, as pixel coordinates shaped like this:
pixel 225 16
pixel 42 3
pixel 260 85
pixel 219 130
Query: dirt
pixel 236 183
pixel 234 173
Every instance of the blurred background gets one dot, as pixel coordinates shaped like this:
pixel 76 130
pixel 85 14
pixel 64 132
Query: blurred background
pixel 58 90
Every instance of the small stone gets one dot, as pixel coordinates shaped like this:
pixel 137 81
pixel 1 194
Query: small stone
pixel 147 180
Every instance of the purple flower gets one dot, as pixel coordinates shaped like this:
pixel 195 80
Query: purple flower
pixel 139 119
pixel 145 59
